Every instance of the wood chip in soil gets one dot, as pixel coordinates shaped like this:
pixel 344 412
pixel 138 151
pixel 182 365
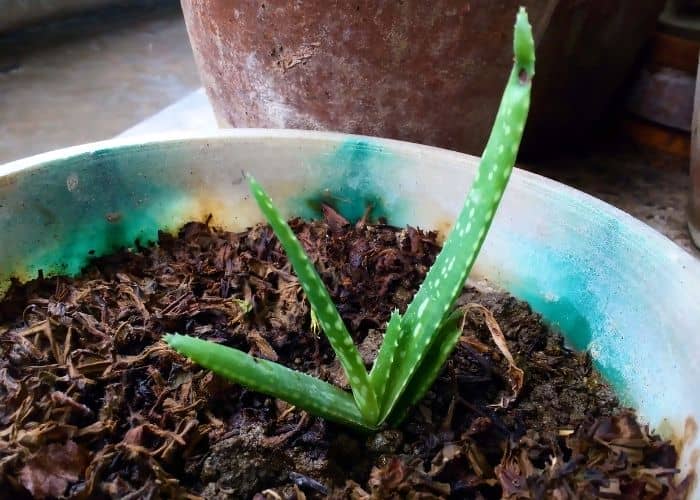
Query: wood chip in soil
pixel 94 405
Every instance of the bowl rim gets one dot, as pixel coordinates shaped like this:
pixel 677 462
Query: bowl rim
pixel 662 242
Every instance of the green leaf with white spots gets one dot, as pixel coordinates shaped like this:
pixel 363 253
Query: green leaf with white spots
pixel 417 344
pixel 388 351
pixel 447 276
pixel 322 306
pixel 303 391
pixel 430 368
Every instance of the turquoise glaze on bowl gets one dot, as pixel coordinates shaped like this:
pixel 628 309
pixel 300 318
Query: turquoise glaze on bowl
pixel 610 283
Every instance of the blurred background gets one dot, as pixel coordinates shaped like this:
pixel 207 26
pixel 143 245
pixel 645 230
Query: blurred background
pixel 612 106
pixel 82 71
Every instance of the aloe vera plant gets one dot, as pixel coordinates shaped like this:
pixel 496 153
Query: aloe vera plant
pixel 416 343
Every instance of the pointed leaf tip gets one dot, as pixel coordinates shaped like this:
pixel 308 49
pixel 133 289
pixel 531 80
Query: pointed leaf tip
pixel 523 42
pixel 174 340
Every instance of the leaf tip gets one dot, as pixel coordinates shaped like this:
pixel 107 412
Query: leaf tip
pixel 523 42
pixel 249 178
pixel 173 339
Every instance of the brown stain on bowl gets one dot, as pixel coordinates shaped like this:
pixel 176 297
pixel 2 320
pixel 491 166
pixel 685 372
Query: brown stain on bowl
pixel 113 217
pixel 670 432
pixel 690 430
pixel 443 226
pixel 690 433
pixel 7 181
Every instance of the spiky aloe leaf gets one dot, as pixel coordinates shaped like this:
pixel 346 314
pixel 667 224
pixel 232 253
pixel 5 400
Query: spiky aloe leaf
pixel 322 305
pixel 430 368
pixel 417 344
pixel 446 277
pixel 306 392
pixel 379 376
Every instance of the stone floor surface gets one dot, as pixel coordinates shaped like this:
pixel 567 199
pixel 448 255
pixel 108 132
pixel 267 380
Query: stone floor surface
pixel 89 78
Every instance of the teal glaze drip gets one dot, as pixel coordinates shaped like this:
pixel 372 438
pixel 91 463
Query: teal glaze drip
pixel 446 277
pixel 349 184
pixel 562 316
pixel 108 203
pixel 576 310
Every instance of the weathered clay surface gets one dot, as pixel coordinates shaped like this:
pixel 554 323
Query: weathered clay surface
pixel 429 72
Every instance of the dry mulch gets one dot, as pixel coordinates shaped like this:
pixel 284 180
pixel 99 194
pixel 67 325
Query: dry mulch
pixel 94 405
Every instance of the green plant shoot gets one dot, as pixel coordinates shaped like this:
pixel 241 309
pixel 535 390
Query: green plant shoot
pixel 397 361
pixel 416 344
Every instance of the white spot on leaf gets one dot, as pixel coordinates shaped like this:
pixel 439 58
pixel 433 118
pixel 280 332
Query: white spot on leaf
pixel 422 306
pixel 417 329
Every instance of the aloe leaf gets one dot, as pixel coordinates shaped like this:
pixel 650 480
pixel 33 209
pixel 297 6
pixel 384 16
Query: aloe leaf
pixel 430 368
pixel 446 277
pixel 303 391
pixel 379 376
pixel 322 306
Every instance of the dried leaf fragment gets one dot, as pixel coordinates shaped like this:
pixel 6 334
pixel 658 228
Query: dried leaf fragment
pixel 50 471
pixel 515 374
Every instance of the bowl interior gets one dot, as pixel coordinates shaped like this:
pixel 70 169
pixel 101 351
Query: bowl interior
pixel 610 283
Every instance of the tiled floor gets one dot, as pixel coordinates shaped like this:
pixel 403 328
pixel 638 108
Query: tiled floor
pixel 90 78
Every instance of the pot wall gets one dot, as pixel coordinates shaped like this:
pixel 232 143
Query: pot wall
pixel 428 72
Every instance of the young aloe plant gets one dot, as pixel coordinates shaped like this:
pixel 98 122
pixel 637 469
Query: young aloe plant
pixel 417 343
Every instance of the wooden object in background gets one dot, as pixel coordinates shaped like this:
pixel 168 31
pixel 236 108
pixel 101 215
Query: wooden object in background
pixel 660 100
pixel 657 137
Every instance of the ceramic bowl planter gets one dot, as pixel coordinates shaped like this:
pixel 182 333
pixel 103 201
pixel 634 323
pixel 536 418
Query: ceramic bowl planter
pixel 610 283
pixel 426 72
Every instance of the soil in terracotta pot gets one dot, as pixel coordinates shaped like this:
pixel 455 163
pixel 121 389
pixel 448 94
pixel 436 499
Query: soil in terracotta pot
pixel 94 405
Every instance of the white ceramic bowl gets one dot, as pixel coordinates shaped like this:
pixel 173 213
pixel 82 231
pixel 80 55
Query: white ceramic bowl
pixel 609 282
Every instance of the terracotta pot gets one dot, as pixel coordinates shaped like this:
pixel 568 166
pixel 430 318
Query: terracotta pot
pixel 430 72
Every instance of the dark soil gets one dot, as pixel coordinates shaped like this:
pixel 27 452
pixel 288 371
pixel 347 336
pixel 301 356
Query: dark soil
pixel 94 405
